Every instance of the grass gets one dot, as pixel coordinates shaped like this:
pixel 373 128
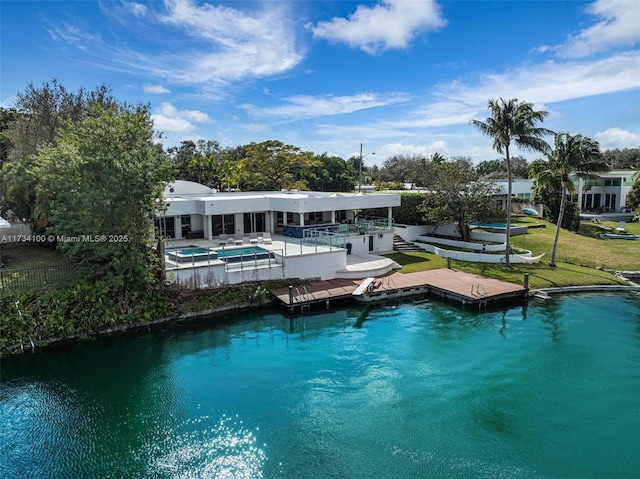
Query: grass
pixel 30 267
pixel 582 258
pixel 27 255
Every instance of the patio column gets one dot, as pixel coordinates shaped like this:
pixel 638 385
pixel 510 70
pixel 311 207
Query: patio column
pixel 333 216
pixel 207 227
pixel 390 217
pixel 177 221
pixel 580 185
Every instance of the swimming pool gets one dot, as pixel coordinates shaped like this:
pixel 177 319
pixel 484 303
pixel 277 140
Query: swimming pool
pixel 236 255
pixel 516 229
pixel 228 255
pixel 191 254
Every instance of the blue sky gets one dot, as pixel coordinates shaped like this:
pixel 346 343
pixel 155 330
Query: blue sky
pixel 398 76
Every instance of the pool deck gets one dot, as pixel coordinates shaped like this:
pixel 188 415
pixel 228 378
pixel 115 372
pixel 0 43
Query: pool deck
pixel 458 286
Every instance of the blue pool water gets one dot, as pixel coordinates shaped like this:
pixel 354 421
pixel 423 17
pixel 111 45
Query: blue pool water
pixel 417 390
pixel 248 251
pixel 194 251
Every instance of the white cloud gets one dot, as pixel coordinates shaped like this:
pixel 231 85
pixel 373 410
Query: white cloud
pixel 235 44
pixel 137 9
pixel 169 118
pixel 391 24
pixel 552 81
pixel 155 89
pixel 392 149
pixel 618 28
pixel 307 106
pixel 194 44
pixel 617 138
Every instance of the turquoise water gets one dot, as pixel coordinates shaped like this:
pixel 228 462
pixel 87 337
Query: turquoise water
pixel 420 390
pixel 192 251
pixel 249 251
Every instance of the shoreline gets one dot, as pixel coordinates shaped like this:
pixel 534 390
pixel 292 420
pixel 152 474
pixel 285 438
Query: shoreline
pixel 31 346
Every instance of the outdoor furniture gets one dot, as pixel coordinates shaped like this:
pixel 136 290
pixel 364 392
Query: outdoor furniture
pixel 622 226
pixel 223 239
pixel 253 238
pixel 266 237
pixel 237 238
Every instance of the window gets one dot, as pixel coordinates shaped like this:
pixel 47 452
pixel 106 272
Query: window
pixel 165 227
pixel 610 200
pixel 223 224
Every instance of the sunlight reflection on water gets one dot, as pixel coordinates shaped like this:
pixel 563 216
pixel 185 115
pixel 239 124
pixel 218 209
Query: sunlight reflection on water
pixel 222 449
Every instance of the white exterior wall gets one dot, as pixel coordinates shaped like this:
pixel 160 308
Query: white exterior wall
pixel 324 267
pixel 215 275
pixel 410 232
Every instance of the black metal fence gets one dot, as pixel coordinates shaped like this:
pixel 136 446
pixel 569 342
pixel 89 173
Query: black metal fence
pixel 38 278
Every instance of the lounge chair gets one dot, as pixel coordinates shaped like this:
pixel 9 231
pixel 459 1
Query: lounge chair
pixel 237 239
pixel 223 239
pixel 253 238
pixel 266 237
pixel 622 226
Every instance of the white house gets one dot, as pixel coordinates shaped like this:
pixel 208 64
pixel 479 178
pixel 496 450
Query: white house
pixel 606 194
pixel 196 211
pixel 216 239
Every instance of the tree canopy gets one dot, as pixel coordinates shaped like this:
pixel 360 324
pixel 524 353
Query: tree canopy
pixel 273 165
pixel 102 181
pixel 460 198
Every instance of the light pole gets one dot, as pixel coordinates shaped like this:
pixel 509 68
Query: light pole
pixel 360 168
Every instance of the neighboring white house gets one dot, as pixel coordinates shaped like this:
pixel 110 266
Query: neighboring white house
pixel 196 211
pixel 606 194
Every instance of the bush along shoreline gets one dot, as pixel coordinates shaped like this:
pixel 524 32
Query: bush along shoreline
pixel 33 320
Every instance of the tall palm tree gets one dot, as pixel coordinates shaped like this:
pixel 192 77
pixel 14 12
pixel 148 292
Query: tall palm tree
pixel 572 155
pixel 513 121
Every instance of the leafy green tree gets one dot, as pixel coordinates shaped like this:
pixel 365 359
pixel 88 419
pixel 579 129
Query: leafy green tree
pixel 489 168
pixel 199 161
pixel 273 165
pixel 18 186
pixel 408 213
pixel 627 158
pixel 512 121
pixel 332 174
pixel 572 154
pixel 633 198
pixel 399 169
pixel 460 198
pixel 104 179
pixel 7 117
pixel 41 112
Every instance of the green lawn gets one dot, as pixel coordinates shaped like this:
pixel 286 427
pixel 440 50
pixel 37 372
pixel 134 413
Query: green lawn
pixel 27 255
pixel 582 258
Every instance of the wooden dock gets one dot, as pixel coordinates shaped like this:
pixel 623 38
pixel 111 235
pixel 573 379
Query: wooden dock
pixel 465 288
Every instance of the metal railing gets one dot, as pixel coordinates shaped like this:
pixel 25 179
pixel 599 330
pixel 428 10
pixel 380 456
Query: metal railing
pixel 38 278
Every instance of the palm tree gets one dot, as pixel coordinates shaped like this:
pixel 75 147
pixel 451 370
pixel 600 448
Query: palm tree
pixel 572 154
pixel 513 121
